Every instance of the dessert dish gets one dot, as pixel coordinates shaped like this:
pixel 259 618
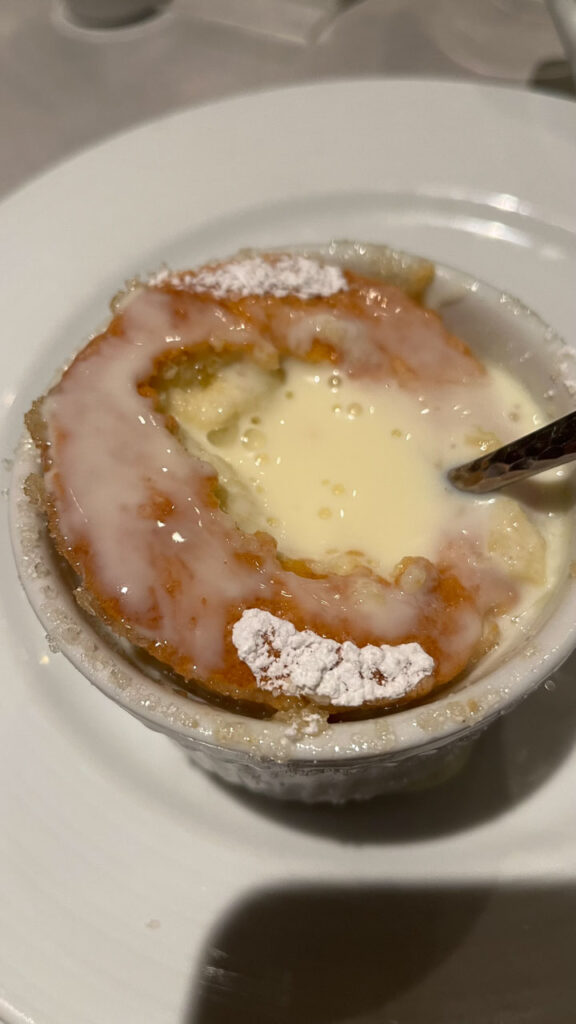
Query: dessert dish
pixel 245 472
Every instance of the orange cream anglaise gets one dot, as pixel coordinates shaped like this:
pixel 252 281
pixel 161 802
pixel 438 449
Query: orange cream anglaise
pixel 246 470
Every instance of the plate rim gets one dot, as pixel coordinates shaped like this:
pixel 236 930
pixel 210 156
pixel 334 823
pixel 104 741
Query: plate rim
pixel 74 160
pixel 524 95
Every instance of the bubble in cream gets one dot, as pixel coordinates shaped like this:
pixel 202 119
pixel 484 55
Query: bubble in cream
pixel 253 438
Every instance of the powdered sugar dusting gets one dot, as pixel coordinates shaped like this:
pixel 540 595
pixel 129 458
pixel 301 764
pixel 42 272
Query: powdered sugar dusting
pixel 303 664
pixel 285 275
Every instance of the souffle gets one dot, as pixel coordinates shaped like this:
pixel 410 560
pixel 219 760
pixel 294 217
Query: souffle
pixel 246 471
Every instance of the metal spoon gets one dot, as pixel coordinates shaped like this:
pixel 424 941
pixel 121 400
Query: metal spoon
pixel 546 448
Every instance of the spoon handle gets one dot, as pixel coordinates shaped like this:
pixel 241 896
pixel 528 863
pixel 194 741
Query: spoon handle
pixel 550 446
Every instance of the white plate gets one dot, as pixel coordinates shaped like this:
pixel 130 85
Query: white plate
pixel 121 867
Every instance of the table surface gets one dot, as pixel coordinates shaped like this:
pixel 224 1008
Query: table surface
pixel 63 87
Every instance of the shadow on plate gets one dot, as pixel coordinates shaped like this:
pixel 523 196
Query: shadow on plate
pixel 514 757
pixel 391 955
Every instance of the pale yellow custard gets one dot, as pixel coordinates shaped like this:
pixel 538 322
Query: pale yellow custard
pixel 345 473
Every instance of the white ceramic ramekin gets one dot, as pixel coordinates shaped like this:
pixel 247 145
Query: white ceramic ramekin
pixel 347 760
